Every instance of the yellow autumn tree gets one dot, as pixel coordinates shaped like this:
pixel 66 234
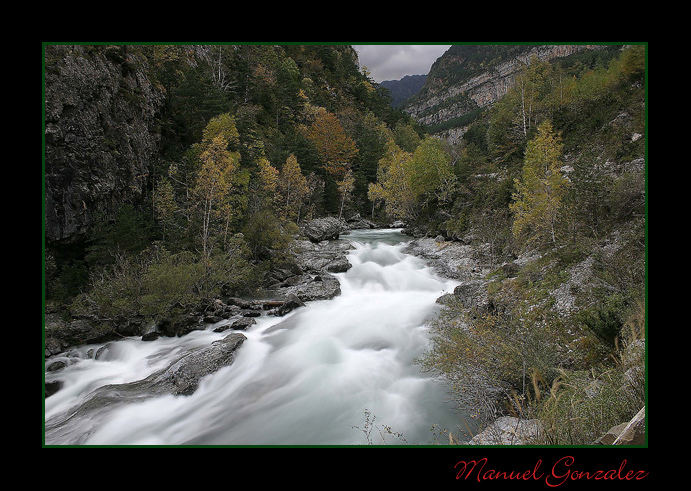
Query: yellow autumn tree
pixel 292 187
pixel 540 190
pixel 345 187
pixel 212 188
pixel 393 177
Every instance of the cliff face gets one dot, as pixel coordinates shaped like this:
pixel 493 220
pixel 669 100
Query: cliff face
pixel 100 134
pixel 467 78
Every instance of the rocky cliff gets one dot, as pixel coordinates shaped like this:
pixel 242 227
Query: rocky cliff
pixel 466 79
pixel 100 134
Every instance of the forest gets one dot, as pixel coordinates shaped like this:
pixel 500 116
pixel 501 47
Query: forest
pixel 257 140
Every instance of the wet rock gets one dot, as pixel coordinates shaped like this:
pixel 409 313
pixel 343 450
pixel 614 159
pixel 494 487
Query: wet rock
pixel 320 287
pixel 291 303
pixel 397 224
pixel 356 222
pixel 55 366
pixel 180 325
pixel 74 332
pixel 53 346
pixel 244 323
pixel 239 325
pixel 321 229
pixel 181 377
pixel 339 265
pixel 151 336
pixel 52 388
pixel 324 256
pixel 250 313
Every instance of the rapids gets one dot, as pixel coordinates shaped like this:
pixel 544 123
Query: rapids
pixel 305 378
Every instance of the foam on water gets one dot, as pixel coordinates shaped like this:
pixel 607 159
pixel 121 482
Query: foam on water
pixel 306 378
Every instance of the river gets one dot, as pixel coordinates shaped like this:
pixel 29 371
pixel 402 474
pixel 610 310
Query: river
pixel 315 376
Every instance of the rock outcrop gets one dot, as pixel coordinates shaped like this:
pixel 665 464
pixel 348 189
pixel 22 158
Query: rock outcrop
pixel 101 134
pixel 468 78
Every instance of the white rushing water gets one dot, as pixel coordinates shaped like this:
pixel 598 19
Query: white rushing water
pixel 308 380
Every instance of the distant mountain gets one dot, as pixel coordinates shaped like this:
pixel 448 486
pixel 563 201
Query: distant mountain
pixel 403 89
pixel 466 79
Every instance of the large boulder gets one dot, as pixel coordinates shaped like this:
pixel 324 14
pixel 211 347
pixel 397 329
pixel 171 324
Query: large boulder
pixel 357 222
pixel 323 256
pixel 323 286
pixel 324 229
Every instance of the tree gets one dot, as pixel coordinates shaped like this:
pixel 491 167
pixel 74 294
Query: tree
pixel 335 147
pixel 164 204
pixel 375 193
pixel 292 187
pixel 394 177
pixel 430 171
pixel 345 187
pixel 213 186
pixel 541 188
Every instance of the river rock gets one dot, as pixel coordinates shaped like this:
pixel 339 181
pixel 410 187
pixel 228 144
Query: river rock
pixel 320 287
pixel 55 366
pixel 323 256
pixel 397 224
pixel 356 222
pixel 180 325
pixel 151 336
pixel 52 388
pixel 291 303
pixel 324 229
pixel 508 430
pixel 61 333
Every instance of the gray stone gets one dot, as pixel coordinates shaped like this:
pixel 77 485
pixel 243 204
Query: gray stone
pixel 321 229
pixel 609 437
pixel 634 432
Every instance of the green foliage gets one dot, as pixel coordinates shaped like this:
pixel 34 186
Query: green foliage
pixel 156 281
pixel 540 190
pixel 267 237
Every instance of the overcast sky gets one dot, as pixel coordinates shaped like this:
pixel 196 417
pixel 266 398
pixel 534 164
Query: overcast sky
pixel 393 62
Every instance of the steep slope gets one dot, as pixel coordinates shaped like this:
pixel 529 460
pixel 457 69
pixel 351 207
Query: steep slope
pixel 466 79
pixel 403 89
pixel 101 134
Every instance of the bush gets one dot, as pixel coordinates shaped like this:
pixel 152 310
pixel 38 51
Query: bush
pixel 155 282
